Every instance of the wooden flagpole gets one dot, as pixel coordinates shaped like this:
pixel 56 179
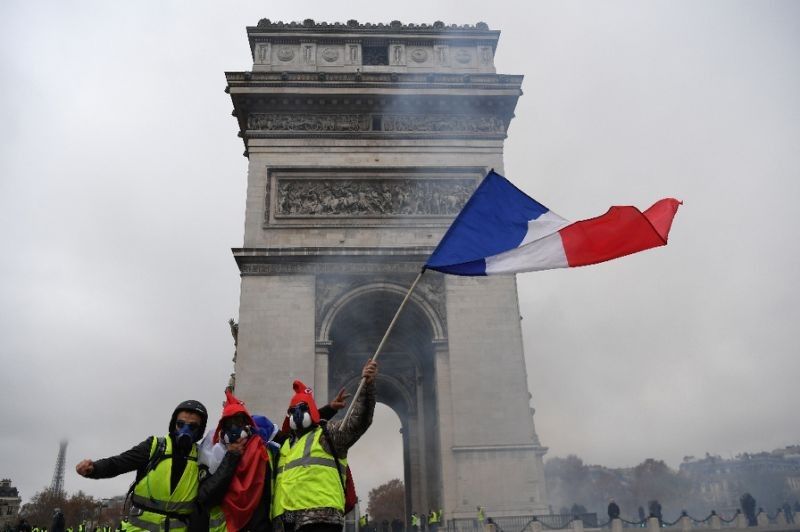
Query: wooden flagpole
pixel 383 341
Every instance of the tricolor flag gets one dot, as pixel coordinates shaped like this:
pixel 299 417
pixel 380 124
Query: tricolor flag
pixel 503 230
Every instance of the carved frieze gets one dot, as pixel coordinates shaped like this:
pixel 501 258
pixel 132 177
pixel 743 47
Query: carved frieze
pixel 308 122
pixel 372 197
pixel 433 123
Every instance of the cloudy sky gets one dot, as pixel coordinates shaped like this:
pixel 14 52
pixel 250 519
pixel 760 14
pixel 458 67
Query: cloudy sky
pixel 122 189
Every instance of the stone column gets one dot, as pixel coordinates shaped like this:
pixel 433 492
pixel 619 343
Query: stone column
pixel 762 518
pixel 616 525
pixel 321 350
pixel 741 520
pixel 577 525
pixel 715 523
pixel 780 519
pixel 447 480
pixel 685 523
pixel 653 524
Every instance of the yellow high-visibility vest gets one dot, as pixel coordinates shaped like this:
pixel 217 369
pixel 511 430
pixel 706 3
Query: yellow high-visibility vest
pixel 307 476
pixel 152 499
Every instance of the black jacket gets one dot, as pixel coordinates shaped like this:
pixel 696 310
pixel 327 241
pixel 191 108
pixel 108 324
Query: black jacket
pixel 135 459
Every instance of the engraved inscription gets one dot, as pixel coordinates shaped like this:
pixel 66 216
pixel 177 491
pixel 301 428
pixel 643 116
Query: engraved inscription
pixel 297 122
pixel 372 197
pixel 465 123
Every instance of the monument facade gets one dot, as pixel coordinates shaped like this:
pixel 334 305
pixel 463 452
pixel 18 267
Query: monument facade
pixel 364 141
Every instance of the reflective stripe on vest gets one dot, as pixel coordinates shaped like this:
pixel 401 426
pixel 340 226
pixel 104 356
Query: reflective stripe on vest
pixel 152 498
pixel 136 524
pixel 216 520
pixel 307 476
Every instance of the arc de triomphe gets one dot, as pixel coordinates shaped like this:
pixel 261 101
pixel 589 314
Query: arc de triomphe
pixel 364 141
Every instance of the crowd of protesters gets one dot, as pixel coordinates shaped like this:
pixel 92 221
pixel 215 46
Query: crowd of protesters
pixel 247 473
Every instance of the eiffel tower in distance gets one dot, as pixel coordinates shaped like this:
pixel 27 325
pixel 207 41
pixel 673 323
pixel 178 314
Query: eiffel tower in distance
pixel 57 484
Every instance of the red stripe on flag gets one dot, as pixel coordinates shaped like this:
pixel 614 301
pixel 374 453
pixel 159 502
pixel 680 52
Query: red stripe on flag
pixel 619 232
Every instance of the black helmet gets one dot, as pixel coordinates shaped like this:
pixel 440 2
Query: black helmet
pixel 191 406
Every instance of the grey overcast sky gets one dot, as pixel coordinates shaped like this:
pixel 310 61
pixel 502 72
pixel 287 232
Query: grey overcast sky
pixel 122 190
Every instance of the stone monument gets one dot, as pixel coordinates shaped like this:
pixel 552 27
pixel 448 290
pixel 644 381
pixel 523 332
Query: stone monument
pixel 364 141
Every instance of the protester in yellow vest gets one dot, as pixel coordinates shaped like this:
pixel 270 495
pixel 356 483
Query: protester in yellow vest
pixel 434 518
pixel 414 521
pixel 165 489
pixel 228 478
pixel 309 486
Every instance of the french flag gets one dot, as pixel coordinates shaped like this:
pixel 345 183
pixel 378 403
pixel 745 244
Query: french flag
pixel 502 230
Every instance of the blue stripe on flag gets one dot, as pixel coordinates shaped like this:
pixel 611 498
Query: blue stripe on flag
pixel 494 220
pixel 472 268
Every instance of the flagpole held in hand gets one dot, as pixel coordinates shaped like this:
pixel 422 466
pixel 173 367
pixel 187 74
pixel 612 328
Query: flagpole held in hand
pixel 383 341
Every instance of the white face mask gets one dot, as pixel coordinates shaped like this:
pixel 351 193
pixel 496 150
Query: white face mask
pixel 305 423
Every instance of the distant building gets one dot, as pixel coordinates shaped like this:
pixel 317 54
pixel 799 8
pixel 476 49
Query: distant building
pixel 721 482
pixel 10 502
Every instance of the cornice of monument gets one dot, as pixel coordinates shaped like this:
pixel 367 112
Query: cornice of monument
pixel 395 26
pixel 444 81
pixel 339 251
pixel 318 260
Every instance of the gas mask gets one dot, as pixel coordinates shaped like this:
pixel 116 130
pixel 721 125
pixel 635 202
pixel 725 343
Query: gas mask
pixel 185 435
pixel 299 417
pixel 235 433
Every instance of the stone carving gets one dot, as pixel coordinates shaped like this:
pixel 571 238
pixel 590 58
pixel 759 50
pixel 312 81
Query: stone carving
pixel 330 288
pixel 330 54
pixel 431 289
pixel 353 51
pixel 308 53
pixel 449 123
pixel 285 53
pixel 486 55
pixel 419 55
pixel 397 54
pixel 372 197
pixel 235 333
pixel 441 54
pixel 298 122
pixel 463 56
pixel 262 53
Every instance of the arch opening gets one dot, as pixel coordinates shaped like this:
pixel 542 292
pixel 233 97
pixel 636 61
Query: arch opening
pixel 405 384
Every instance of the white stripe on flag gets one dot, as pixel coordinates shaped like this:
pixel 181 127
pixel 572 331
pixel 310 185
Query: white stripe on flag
pixel 544 225
pixel 543 254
